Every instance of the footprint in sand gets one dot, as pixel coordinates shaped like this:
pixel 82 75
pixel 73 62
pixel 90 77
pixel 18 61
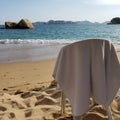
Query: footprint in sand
pixel 30 102
pixel 8 116
pixel 38 89
pixel 11 115
pixel 94 116
pixel 39 97
pixel 26 94
pixel 99 109
pixel 5 89
pixel 56 94
pixel 50 91
pixel 2 108
pixel 46 101
pixel 28 113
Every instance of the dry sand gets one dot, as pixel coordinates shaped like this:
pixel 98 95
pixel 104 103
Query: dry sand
pixel 18 74
pixel 28 92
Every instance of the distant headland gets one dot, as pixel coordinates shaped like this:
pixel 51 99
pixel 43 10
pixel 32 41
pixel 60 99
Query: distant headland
pixel 26 24
pixel 67 22
pixel 115 20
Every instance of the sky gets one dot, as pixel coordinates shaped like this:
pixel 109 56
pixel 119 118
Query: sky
pixel 45 10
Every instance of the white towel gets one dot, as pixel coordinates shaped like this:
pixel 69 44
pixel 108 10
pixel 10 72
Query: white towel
pixel 85 69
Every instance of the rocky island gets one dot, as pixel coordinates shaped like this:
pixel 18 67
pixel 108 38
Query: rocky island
pixel 115 20
pixel 22 24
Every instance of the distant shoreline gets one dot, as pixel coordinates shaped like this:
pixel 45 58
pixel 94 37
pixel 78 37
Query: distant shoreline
pixel 66 22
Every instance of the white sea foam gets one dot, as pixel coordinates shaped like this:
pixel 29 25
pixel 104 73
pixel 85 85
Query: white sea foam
pixel 44 41
pixel 36 41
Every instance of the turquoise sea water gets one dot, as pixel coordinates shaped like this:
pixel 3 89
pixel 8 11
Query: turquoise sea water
pixel 60 33
pixel 45 40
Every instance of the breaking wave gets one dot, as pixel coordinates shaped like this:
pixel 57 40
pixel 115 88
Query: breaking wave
pixel 36 41
pixel 44 42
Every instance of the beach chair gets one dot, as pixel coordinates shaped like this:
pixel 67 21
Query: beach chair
pixel 86 69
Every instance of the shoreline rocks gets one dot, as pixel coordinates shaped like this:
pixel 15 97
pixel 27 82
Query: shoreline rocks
pixel 10 25
pixel 22 24
pixel 115 20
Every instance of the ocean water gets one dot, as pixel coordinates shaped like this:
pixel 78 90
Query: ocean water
pixel 35 44
pixel 59 33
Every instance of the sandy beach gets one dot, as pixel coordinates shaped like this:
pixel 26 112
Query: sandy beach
pixel 28 92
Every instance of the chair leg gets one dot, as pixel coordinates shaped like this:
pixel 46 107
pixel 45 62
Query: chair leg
pixel 109 112
pixel 62 103
pixel 77 118
pixel 63 107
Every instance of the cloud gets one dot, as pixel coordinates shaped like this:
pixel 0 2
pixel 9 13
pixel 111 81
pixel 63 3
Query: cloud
pixel 109 2
pixel 103 2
